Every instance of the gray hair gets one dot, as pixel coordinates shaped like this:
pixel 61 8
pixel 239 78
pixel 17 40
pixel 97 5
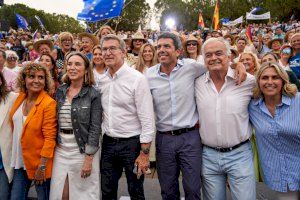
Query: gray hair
pixel 113 37
pixel 175 38
pixel 219 39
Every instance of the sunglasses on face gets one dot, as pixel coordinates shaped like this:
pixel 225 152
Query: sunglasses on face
pixel 11 58
pixel 286 51
pixel 191 44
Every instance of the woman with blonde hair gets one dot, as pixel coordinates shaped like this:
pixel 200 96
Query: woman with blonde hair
pixel 79 111
pixel 99 68
pixel 274 113
pixel 250 61
pixel 104 30
pixel 147 58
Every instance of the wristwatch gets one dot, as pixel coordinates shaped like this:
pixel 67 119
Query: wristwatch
pixel 42 167
pixel 145 150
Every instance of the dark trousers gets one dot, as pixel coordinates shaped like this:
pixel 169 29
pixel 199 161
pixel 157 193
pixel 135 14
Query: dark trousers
pixel 117 154
pixel 4 186
pixel 21 185
pixel 175 153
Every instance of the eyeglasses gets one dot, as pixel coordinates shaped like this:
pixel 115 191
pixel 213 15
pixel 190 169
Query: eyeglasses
pixel 191 44
pixel 65 41
pixel 286 51
pixel 112 49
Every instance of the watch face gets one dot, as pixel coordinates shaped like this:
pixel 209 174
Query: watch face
pixel 43 167
pixel 145 151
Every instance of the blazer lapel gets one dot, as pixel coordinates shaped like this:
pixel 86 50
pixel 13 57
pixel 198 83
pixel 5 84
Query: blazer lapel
pixel 4 111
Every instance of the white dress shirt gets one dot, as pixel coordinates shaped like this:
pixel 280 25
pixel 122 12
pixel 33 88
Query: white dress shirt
pixel 127 105
pixel 223 116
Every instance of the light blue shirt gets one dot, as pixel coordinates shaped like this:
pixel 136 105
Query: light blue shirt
pixel 278 142
pixel 174 95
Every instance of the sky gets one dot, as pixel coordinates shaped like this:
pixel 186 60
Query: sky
pixel 68 7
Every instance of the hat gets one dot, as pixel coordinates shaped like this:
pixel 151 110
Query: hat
pixel 91 36
pixel 273 40
pixel 28 44
pixel 138 36
pixel 192 38
pixel 38 43
pixel 233 50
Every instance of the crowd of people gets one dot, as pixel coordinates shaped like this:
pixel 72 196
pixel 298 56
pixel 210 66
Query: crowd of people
pixel 220 107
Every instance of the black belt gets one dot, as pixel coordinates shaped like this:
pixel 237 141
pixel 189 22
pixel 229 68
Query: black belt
pixel 178 132
pixel 114 139
pixel 220 149
pixel 66 131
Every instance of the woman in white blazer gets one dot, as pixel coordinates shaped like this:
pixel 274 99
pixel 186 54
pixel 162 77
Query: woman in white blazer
pixel 6 172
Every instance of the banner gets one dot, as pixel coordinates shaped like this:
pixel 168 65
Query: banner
pixel 234 22
pixel 250 16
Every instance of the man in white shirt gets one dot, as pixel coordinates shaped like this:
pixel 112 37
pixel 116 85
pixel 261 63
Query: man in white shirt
pixel 225 129
pixel 128 122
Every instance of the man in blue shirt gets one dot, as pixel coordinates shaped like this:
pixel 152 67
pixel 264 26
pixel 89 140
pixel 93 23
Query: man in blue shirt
pixel 178 144
pixel 294 62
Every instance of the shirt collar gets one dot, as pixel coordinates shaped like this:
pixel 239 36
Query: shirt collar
pixel 285 100
pixel 179 64
pixel 230 74
pixel 118 73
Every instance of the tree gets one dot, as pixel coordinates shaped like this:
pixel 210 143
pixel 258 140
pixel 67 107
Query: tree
pixel 54 23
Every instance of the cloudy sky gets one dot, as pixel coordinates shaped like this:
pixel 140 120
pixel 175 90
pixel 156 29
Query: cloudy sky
pixel 69 7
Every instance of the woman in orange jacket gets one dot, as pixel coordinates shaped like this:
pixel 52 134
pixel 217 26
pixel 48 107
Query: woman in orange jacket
pixel 33 118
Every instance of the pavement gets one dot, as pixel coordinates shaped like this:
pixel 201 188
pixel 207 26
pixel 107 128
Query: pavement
pixel 152 190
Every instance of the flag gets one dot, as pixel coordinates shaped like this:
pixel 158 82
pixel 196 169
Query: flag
pixel 249 34
pixel 34 35
pixel 96 10
pixel 216 17
pixel 200 21
pixel 88 30
pixel 21 22
pixel 255 10
pixel 224 20
pixel 40 22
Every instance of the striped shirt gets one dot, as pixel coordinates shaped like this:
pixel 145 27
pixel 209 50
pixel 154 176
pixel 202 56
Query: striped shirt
pixel 278 142
pixel 65 121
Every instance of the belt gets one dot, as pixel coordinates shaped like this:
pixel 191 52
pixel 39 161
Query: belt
pixel 115 139
pixel 66 131
pixel 178 132
pixel 223 150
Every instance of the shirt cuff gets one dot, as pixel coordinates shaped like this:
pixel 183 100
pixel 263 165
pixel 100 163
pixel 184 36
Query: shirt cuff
pixel 91 150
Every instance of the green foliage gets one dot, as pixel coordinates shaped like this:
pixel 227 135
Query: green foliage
pixel 54 23
pixel 186 12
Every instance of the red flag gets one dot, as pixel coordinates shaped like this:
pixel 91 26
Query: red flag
pixel 200 21
pixel 249 34
pixel 216 17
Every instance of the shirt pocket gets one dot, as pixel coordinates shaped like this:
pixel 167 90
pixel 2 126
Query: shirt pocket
pixel 84 113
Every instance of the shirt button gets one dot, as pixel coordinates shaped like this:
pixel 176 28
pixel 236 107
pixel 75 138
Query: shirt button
pixel 76 129
pixel 74 120
pixel 74 109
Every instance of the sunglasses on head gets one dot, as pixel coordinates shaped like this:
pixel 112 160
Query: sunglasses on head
pixel 286 51
pixel 191 44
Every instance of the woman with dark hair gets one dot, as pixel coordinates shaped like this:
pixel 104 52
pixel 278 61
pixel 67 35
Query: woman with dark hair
pixel 99 68
pixel 192 49
pixel 33 117
pixel 79 110
pixel 6 172
pixel 49 62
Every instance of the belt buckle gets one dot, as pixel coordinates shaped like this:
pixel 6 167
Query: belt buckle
pixel 172 133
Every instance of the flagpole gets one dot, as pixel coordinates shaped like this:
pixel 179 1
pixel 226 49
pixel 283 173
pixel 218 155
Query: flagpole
pixel 113 18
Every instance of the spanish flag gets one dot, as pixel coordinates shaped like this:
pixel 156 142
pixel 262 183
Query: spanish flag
pixel 200 21
pixel 216 18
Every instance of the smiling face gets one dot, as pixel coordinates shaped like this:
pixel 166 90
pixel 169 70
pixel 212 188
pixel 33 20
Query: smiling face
pixel 46 60
pixel 97 57
pixel 167 54
pixel 191 47
pixel 67 43
pixel 76 68
pixel 87 44
pixel 35 81
pixel 112 54
pixel 248 62
pixel 270 83
pixel 148 54
pixel 44 49
pixel 215 56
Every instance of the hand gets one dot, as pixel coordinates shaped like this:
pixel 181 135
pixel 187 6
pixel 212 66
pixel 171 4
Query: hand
pixel 142 163
pixel 87 167
pixel 240 73
pixel 39 176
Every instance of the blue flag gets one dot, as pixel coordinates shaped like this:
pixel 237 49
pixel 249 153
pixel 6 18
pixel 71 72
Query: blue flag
pixel 40 21
pixel 255 10
pixel 21 22
pixel 225 20
pixel 96 10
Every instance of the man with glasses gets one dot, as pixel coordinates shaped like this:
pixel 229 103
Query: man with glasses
pixel 128 123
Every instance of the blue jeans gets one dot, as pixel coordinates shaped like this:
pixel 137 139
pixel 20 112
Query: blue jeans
pixel 21 185
pixel 235 166
pixel 4 186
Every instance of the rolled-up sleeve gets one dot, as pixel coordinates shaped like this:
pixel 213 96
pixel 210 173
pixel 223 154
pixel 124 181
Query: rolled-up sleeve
pixel 144 105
